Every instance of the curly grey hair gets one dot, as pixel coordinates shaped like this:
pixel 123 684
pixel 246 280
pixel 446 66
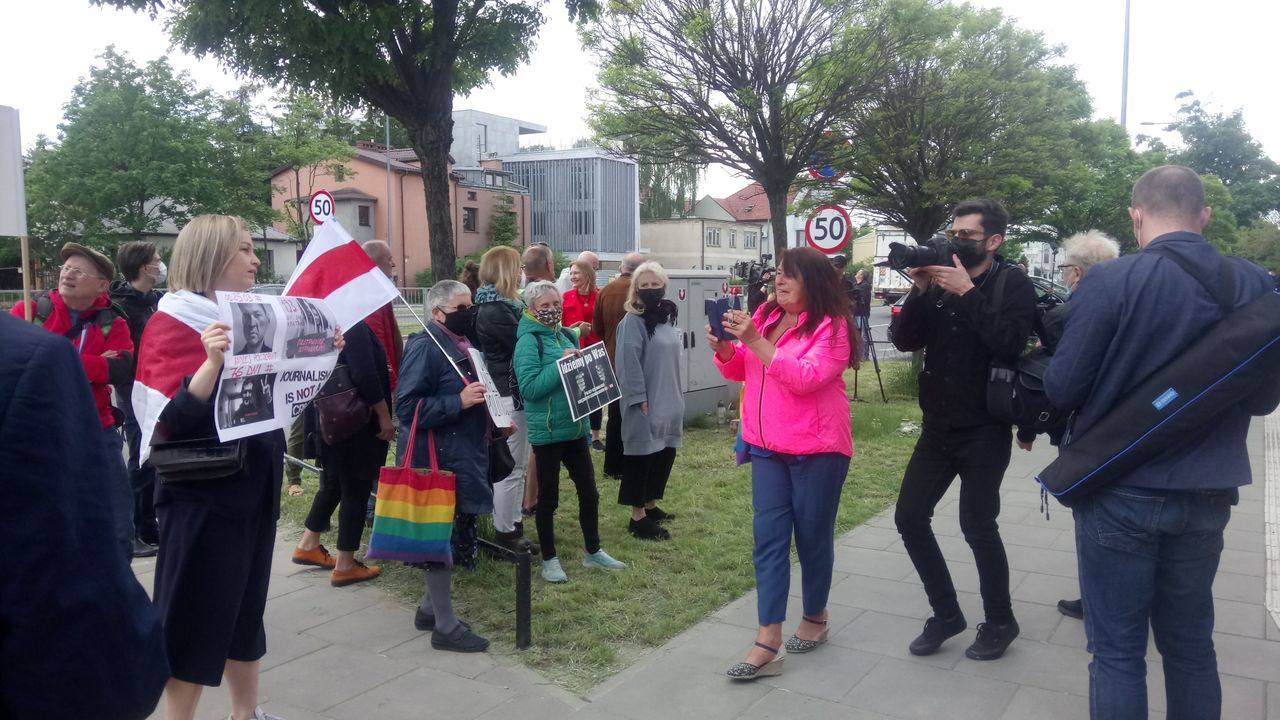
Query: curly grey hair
pixel 536 289
pixel 1086 249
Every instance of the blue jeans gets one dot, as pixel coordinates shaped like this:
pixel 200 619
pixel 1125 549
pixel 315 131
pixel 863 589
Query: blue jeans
pixel 119 491
pixel 1148 557
pixel 799 494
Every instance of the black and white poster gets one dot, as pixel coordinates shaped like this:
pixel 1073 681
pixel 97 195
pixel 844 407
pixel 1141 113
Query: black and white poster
pixel 282 352
pixel 588 379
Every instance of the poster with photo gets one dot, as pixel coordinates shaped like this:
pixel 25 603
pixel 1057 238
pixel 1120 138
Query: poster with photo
pixel 588 380
pixel 282 353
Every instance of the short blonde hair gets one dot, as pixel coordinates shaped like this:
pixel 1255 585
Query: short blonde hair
pixel 585 268
pixel 501 266
pixel 203 250
pixel 633 299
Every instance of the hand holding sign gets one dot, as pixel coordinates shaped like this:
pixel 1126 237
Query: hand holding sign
pixel 472 395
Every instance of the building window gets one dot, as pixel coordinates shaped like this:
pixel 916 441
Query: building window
pixel 749 240
pixel 584 222
pixel 471 195
pixel 713 238
pixel 733 239
pixel 362 212
pixel 469 219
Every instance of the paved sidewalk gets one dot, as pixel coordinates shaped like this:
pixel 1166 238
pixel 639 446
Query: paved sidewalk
pixel 354 653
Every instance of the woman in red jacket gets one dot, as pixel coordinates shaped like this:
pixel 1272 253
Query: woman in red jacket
pixel 579 304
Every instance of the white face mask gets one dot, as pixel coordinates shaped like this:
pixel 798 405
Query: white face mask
pixel 164 273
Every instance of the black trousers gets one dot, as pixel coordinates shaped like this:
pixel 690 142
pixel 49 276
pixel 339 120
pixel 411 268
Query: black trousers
pixel 645 477
pixel 576 457
pixel 980 457
pixel 613 457
pixel 597 418
pixel 141 478
pixel 350 469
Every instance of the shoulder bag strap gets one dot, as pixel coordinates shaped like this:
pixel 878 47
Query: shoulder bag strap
pixel 431 443
pixel 1226 293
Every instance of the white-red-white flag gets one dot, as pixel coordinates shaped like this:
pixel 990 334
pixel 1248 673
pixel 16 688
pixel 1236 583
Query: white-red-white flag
pixel 170 350
pixel 337 270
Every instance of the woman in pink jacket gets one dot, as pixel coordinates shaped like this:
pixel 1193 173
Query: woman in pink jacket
pixel 791 358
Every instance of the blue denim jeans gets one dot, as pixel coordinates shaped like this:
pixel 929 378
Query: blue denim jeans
pixel 1148 557
pixel 799 494
pixel 119 490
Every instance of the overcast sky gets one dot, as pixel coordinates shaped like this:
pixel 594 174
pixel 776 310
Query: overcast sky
pixel 1223 51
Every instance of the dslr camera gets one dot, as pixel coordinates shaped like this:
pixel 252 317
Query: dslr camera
pixel 753 271
pixel 936 251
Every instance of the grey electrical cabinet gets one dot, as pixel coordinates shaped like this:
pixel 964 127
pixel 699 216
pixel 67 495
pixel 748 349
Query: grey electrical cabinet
pixel 704 388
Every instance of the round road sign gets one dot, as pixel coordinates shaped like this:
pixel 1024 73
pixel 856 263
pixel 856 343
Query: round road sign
pixel 321 206
pixel 828 228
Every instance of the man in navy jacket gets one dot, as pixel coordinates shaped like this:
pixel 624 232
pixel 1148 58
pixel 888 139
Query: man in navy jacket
pixel 1148 545
pixel 78 636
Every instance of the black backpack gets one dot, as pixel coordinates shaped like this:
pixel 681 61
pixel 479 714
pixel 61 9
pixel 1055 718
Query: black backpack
pixel 1015 392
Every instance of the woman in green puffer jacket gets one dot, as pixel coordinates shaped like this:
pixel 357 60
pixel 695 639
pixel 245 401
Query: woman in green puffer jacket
pixel 556 438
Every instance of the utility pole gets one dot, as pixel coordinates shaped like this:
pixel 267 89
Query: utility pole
pixel 1124 79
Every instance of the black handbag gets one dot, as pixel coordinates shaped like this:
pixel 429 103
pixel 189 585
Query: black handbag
pixel 501 463
pixel 341 409
pixel 199 460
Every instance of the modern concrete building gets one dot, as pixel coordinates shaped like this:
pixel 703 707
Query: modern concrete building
pixel 580 199
pixel 480 136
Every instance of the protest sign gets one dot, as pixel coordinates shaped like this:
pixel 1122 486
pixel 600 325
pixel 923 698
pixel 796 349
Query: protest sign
pixel 282 352
pixel 500 408
pixel 588 380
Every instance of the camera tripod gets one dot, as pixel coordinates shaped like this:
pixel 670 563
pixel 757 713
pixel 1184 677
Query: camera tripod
pixel 870 345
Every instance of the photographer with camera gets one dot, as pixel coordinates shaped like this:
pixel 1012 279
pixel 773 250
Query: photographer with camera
pixel 968 307
pixel 757 275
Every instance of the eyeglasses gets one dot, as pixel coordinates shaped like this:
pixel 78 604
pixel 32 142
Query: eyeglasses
pixel 455 308
pixel 964 235
pixel 1074 267
pixel 73 272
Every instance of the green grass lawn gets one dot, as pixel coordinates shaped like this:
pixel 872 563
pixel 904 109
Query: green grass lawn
pixel 599 622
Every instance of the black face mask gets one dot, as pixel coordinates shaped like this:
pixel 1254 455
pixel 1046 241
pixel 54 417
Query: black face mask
pixel 651 296
pixel 462 321
pixel 970 252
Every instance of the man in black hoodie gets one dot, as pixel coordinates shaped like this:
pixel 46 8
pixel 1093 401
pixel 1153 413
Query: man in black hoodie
pixel 136 298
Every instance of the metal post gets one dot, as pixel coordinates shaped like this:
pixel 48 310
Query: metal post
pixel 387 124
pixel 524 613
pixel 1124 80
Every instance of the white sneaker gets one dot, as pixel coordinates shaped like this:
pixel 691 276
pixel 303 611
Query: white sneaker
pixel 258 714
pixel 601 560
pixel 552 572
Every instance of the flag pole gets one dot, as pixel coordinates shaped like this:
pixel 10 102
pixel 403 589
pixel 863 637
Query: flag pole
pixel 411 310
pixel 26 277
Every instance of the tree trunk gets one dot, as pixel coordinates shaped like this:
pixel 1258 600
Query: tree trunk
pixel 431 141
pixel 778 218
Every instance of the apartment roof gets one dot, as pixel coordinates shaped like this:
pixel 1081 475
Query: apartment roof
pixel 750 204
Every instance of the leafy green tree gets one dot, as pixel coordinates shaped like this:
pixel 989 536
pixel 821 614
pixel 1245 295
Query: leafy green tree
pixel 1221 230
pixel 750 84
pixel 1260 242
pixel 133 151
pixel 404 57
pixel 666 189
pixel 503 228
pixel 309 153
pixel 1218 144
pixel 976 108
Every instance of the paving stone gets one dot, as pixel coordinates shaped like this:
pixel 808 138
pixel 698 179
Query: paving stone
pixel 1273 701
pixel 1242 588
pixel 1244 562
pixel 676 692
pixel 285 584
pixel 376 628
pixel 965 577
pixel 914 690
pixel 1248 657
pixel 1237 618
pixel 1038 664
pixel 888 635
pixel 285 646
pixel 1243 698
pixel 1033 703
pixel 828 673
pixel 1069 633
pixel 316 605
pixel 890 596
pixel 526 708
pixel 1031 535
pixel 1044 589
pixel 870 536
pixel 329 676
pixel 422 693
pixel 417 651
pixel 873 563
pixel 1036 622
pixel 784 705
pixel 1042 560
pixel 1239 538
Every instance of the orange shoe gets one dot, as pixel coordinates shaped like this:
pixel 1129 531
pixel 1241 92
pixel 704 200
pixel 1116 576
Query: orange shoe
pixel 317 556
pixel 358 573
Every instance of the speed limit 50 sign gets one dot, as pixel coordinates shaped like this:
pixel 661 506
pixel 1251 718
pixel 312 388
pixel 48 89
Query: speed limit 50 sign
pixel 828 228
pixel 321 206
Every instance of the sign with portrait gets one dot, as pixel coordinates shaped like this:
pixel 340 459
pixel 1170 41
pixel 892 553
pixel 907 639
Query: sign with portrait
pixel 588 380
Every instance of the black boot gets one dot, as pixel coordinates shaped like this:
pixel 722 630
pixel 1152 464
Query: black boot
pixel 647 529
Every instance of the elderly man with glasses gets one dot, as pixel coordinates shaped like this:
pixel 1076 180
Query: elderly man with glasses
pixel 80 310
pixel 963 315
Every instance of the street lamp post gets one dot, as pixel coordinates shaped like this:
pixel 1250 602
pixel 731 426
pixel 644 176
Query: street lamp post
pixel 1124 78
